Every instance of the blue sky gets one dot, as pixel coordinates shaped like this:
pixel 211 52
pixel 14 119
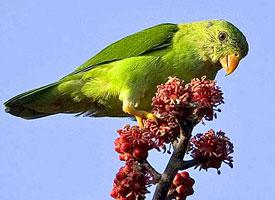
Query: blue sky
pixel 63 157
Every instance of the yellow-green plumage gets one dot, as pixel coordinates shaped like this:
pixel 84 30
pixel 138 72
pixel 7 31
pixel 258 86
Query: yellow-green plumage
pixel 128 71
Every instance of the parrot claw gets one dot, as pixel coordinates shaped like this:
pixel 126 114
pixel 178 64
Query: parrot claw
pixel 140 115
pixel 147 116
pixel 151 116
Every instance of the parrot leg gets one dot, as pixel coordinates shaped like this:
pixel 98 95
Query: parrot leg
pixel 139 114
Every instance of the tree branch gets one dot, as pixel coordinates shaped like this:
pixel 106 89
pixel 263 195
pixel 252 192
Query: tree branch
pixel 175 163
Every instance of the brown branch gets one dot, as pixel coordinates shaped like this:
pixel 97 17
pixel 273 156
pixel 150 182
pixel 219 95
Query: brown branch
pixel 175 163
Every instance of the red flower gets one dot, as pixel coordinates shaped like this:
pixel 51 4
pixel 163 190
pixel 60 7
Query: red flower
pixel 134 142
pixel 164 130
pixel 171 98
pixel 207 96
pixel 131 182
pixel 182 186
pixel 213 148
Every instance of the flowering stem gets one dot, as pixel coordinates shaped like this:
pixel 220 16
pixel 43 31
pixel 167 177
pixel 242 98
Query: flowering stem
pixel 174 163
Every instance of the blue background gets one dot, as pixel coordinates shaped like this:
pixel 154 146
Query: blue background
pixel 63 157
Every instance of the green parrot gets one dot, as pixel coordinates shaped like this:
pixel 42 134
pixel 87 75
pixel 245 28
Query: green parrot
pixel 121 80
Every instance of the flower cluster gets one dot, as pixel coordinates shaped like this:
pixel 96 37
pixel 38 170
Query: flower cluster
pixel 164 130
pixel 193 101
pixel 131 182
pixel 134 143
pixel 176 102
pixel 176 106
pixel 182 186
pixel 213 148
pixel 206 96
pixel 171 98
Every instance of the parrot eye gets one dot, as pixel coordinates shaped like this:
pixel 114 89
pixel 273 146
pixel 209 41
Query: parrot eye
pixel 222 36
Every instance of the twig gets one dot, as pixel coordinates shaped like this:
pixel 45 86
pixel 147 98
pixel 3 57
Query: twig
pixel 189 163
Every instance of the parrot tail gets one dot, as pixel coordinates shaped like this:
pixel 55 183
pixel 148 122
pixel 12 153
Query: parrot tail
pixel 59 97
pixel 23 105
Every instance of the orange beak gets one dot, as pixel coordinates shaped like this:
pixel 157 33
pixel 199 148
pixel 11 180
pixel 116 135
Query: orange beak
pixel 230 62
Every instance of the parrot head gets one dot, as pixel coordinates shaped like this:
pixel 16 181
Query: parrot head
pixel 224 44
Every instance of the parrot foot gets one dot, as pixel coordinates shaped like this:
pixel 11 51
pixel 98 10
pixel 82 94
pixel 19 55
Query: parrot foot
pixel 139 114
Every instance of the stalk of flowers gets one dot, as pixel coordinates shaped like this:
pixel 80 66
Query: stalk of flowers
pixel 175 104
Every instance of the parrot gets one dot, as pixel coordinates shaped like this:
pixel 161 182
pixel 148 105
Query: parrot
pixel 121 79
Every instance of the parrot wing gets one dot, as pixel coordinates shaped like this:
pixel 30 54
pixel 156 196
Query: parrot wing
pixel 148 40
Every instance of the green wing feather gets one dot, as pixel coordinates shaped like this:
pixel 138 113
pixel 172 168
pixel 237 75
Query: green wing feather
pixel 142 42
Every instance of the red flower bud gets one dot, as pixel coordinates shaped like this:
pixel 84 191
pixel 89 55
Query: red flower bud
pixel 182 186
pixel 114 193
pixel 181 190
pixel 190 181
pixel 178 180
pixel 140 154
pixel 121 175
pixel 125 147
pixel 184 175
